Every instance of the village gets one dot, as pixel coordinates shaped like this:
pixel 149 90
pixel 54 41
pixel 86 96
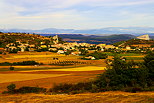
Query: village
pixel 54 44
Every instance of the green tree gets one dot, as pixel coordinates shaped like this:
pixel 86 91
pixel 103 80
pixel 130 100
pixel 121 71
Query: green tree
pixel 149 65
pixel 11 68
pixel 11 88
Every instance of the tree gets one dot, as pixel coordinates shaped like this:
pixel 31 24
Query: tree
pixel 121 74
pixel 11 88
pixel 68 52
pixel 149 57
pixel 14 51
pixel 149 65
pixel 98 55
pixel 11 68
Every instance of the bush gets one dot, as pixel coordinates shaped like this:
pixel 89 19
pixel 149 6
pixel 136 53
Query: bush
pixel 31 90
pixel 11 68
pixel 5 64
pixel 20 63
pixel 12 90
pixel 133 89
pixel 72 88
pixel 14 51
pixel 11 87
pixel 26 63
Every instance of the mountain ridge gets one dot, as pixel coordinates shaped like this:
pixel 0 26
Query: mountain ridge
pixel 101 31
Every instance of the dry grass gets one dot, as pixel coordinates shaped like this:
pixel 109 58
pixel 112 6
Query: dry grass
pixel 105 97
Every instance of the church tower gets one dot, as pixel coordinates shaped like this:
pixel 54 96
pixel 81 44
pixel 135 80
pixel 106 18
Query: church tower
pixel 55 39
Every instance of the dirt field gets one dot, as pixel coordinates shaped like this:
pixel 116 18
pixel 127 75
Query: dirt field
pixel 47 78
pixel 105 97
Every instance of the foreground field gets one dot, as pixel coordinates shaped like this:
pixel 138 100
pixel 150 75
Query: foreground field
pixel 47 78
pixel 105 97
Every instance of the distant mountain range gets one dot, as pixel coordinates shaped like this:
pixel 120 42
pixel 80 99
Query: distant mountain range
pixel 103 31
pixel 93 39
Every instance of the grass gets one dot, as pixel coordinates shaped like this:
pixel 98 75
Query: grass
pixel 134 58
pixel 105 97
pixel 123 54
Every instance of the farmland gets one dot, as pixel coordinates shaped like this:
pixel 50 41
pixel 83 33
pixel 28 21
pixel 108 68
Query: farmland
pixel 48 77
pixel 47 74
pixel 50 72
pixel 47 58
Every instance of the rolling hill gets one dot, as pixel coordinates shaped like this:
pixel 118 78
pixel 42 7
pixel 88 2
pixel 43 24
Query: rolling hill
pixel 93 39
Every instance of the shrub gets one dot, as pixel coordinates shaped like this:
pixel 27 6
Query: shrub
pixel 11 68
pixel 133 89
pixel 10 88
pixel 31 90
pixel 26 63
pixel 5 64
pixel 72 88
pixel 20 63
pixel 14 51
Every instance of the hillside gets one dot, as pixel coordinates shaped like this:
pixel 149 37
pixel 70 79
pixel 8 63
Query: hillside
pixel 6 38
pixel 138 41
pixel 93 39
pixel 105 97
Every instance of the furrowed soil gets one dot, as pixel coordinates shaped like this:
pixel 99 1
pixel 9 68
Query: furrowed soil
pixel 104 97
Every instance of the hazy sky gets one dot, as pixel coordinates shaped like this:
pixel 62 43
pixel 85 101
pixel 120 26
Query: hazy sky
pixel 75 14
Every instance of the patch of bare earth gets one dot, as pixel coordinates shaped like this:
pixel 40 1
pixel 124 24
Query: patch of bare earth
pixel 105 97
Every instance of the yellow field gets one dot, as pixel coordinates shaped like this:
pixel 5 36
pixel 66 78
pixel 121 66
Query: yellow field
pixel 86 68
pixel 105 97
pixel 22 77
pixel 48 77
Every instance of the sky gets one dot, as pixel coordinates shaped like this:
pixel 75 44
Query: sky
pixel 75 14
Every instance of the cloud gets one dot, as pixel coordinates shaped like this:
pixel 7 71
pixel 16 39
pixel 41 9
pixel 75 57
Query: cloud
pixel 120 2
pixel 75 13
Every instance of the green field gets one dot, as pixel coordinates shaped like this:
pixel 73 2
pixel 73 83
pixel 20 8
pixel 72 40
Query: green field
pixel 134 58
pixel 123 54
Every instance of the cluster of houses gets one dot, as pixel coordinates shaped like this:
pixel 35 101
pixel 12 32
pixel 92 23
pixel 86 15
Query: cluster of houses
pixel 61 48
